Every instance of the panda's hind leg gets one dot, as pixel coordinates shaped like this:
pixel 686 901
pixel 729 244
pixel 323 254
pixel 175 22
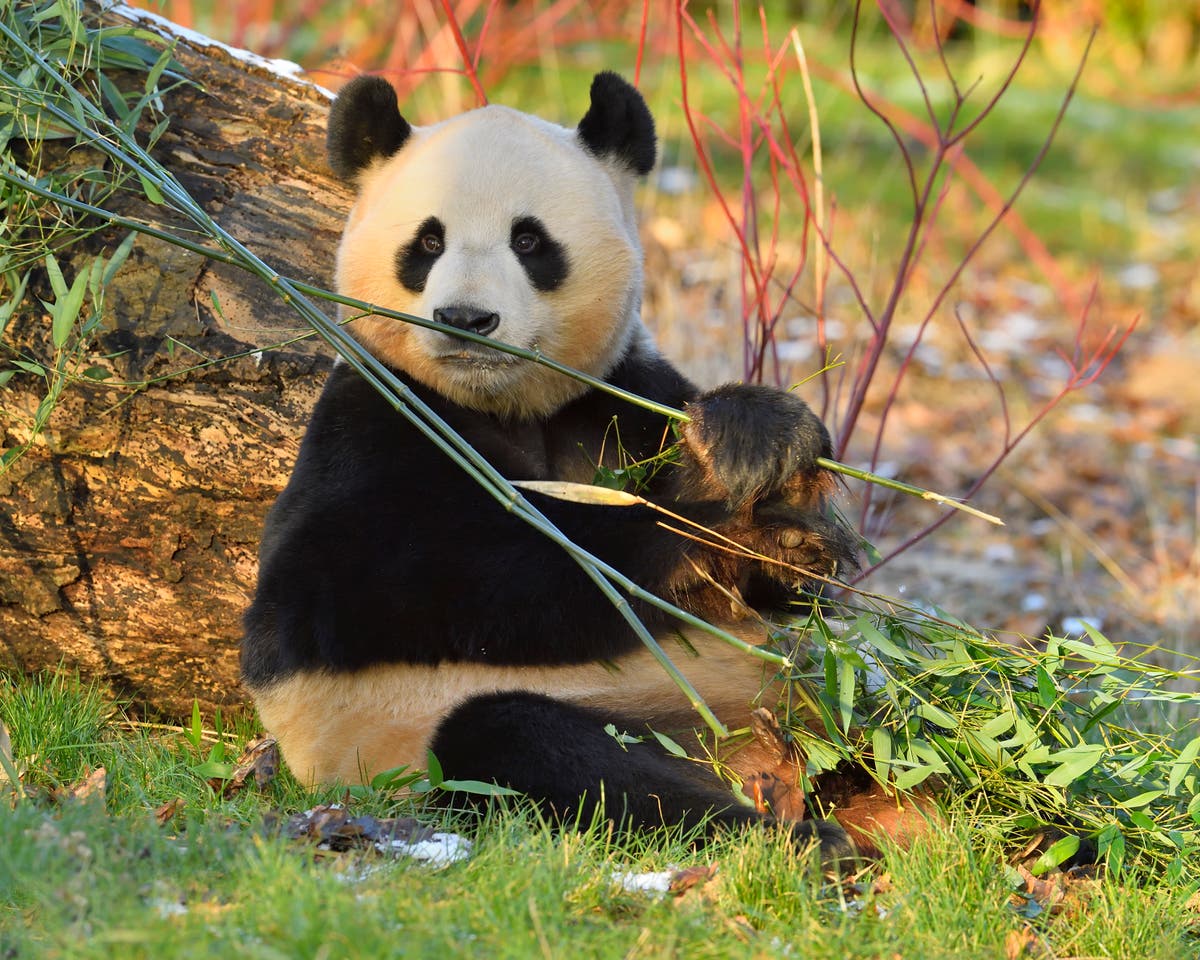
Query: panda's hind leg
pixel 559 755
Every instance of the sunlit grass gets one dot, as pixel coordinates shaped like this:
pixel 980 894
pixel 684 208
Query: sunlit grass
pixel 102 878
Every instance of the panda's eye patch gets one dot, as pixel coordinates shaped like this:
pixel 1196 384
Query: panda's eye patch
pixel 416 258
pixel 543 258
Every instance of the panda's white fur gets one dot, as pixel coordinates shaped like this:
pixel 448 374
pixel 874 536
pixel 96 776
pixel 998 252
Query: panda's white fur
pixel 399 608
pixel 337 727
pixel 478 172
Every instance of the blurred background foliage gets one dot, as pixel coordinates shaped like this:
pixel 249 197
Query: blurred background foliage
pixel 1131 128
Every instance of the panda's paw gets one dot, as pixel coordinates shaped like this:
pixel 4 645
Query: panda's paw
pixel 751 442
pixel 839 856
pixel 811 540
pixel 799 549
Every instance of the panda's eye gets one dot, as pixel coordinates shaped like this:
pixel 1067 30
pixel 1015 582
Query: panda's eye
pixel 420 252
pixel 524 244
pixel 542 257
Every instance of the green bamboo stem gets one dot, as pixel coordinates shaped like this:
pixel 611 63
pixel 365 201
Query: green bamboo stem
pixel 129 153
pixel 366 308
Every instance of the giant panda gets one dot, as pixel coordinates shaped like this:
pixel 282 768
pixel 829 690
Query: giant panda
pixel 400 609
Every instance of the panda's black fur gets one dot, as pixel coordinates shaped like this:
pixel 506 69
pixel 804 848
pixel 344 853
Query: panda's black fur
pixel 400 607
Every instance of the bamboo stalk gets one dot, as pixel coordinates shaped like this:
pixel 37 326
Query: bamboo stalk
pixel 672 413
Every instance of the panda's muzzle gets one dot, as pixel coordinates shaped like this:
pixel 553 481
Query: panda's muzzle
pixel 481 322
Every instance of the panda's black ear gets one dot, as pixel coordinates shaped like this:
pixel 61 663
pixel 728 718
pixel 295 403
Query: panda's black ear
pixel 618 124
pixel 364 123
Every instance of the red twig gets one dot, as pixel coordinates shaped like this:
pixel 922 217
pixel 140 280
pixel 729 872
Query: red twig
pixel 468 61
pixel 1082 374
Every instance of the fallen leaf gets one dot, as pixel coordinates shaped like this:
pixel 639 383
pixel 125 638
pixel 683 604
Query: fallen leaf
pixel 333 830
pixel 1032 847
pixel 882 884
pixel 776 788
pixel 259 759
pixel 683 880
pixel 168 810
pixel 6 760
pixel 91 788
pixel 741 927
pixel 1022 943
pixel 1047 892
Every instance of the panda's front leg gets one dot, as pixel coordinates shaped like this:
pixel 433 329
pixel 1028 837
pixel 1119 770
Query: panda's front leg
pixel 755 449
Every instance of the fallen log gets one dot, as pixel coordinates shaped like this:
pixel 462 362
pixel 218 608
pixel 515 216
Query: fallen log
pixel 129 531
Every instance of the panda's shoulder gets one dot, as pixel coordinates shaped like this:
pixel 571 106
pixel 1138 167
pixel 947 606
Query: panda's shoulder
pixel 348 396
pixel 353 433
pixel 645 371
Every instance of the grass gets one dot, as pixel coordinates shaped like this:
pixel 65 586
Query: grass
pixel 102 878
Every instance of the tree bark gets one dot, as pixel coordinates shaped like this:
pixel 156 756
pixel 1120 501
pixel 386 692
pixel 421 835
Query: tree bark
pixel 129 532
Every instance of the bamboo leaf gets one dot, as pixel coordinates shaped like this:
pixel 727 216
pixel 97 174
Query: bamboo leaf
pixel 117 260
pixel 936 715
pixel 479 787
pixel 846 692
pixel 881 642
pixel 1062 849
pixel 1184 764
pixel 987 749
pixel 1110 847
pixel 30 367
pixel 881 752
pixel 8 309
pixel 54 272
pixel 1047 692
pixel 917 775
pixel 669 745
pixel 1000 723
pixel 151 190
pixel 1142 799
pixel 67 310
pixel 434 769
pixel 1073 763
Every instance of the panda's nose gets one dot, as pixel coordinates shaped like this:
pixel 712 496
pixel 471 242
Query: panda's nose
pixel 481 322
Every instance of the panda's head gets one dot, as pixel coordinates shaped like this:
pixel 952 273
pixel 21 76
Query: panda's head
pixel 500 223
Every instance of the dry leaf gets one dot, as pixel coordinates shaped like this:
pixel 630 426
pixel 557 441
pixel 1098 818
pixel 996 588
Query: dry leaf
pixel 882 884
pixel 1193 904
pixel 776 788
pixel 5 754
pixel 260 759
pixel 741 927
pixel 1033 846
pixel 333 824
pixel 1047 892
pixel 683 880
pixel 167 811
pixel 1022 943
pixel 580 493
pixel 92 787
